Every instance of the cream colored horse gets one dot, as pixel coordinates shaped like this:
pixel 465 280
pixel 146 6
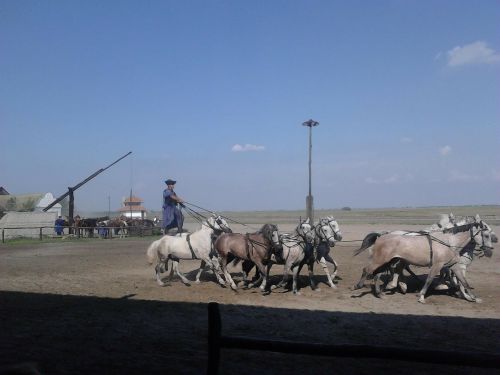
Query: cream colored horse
pixel 197 245
pixel 435 251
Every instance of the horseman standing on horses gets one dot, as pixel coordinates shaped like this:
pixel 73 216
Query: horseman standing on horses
pixel 172 215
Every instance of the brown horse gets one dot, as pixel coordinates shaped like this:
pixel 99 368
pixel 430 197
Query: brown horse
pixel 435 250
pixel 256 247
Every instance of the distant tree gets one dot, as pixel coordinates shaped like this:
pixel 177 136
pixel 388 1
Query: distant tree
pixel 11 204
pixel 346 208
pixel 28 206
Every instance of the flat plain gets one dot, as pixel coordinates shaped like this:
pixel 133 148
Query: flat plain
pixel 92 306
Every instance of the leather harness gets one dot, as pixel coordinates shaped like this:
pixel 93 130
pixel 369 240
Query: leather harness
pixel 191 247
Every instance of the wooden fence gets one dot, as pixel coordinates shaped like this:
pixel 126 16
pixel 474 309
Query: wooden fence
pixel 216 342
pixel 135 230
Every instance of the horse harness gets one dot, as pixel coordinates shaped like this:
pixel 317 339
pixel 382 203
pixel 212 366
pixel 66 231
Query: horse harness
pixel 188 239
pixel 430 239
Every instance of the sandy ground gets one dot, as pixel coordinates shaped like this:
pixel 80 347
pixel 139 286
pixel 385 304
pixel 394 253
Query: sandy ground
pixel 92 306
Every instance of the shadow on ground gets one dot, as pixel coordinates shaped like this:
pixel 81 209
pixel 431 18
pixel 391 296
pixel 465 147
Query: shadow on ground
pixel 65 334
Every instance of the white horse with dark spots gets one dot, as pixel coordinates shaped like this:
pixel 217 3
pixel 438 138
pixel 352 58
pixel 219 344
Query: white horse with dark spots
pixel 196 245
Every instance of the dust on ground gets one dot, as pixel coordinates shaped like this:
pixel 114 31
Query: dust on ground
pixel 92 306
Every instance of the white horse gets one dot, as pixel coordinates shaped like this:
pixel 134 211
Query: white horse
pixel 434 251
pixel 466 255
pixel 295 248
pixel 197 245
pixel 327 232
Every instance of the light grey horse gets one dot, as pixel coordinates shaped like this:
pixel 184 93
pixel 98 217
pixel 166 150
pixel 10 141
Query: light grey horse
pixel 448 279
pixel 434 251
pixel 197 245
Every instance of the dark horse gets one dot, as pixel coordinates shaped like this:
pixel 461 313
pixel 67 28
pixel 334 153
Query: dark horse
pixel 256 247
pixel 87 224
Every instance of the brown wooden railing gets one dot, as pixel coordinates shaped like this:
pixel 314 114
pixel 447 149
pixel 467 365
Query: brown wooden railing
pixel 216 342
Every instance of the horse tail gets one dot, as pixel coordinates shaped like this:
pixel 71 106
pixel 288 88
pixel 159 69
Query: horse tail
pixel 152 252
pixel 368 241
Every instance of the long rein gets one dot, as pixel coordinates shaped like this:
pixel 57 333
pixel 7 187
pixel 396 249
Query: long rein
pixel 203 219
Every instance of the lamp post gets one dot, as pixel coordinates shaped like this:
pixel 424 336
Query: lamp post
pixel 309 199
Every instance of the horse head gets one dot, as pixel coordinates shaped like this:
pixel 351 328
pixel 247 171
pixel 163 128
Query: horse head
pixel 270 232
pixel 305 230
pixel 483 235
pixel 328 230
pixel 218 223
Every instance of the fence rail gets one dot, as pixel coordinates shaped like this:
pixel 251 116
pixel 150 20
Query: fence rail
pixel 134 230
pixel 216 341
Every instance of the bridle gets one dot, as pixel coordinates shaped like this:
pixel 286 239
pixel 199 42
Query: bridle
pixel 222 226
pixel 302 233
pixel 321 232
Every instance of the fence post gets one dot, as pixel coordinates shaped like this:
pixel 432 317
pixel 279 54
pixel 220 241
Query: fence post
pixel 214 328
pixel 41 233
pixel 3 235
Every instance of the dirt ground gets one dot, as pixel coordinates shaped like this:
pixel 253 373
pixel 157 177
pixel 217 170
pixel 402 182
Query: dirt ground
pixel 92 306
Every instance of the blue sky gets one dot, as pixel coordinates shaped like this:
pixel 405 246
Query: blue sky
pixel 213 94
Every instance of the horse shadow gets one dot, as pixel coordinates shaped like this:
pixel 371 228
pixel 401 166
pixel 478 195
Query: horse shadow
pixel 413 286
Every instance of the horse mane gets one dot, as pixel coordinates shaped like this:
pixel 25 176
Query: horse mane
pixel 461 228
pixel 266 230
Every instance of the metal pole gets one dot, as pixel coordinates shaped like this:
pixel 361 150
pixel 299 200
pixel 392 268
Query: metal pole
pixel 309 198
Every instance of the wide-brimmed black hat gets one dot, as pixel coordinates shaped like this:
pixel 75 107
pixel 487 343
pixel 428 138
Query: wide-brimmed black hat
pixel 170 182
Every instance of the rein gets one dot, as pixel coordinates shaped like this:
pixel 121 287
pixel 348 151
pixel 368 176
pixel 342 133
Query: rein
pixel 211 212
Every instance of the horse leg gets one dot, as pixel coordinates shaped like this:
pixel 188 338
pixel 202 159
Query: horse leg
pixel 162 266
pixel 377 290
pixel 361 282
pixel 214 263
pixel 295 272
pixel 228 277
pixel 364 276
pixel 322 261
pixel 284 280
pixel 433 272
pixel 310 268
pixel 464 285
pixel 200 270
pixel 263 270
pixel 328 258
pixel 179 273
pixel 157 273
pixel 246 267
pixel 395 270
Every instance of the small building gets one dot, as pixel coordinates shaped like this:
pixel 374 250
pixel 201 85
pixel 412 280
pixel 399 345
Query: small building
pixel 27 224
pixel 133 208
pixel 29 203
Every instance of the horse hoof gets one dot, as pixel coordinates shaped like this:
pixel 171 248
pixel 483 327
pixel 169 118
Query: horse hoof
pixel 297 293
pixel 421 300
pixel 197 282
pixel 333 286
pixel 478 300
pixel 317 289
pixel 403 287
